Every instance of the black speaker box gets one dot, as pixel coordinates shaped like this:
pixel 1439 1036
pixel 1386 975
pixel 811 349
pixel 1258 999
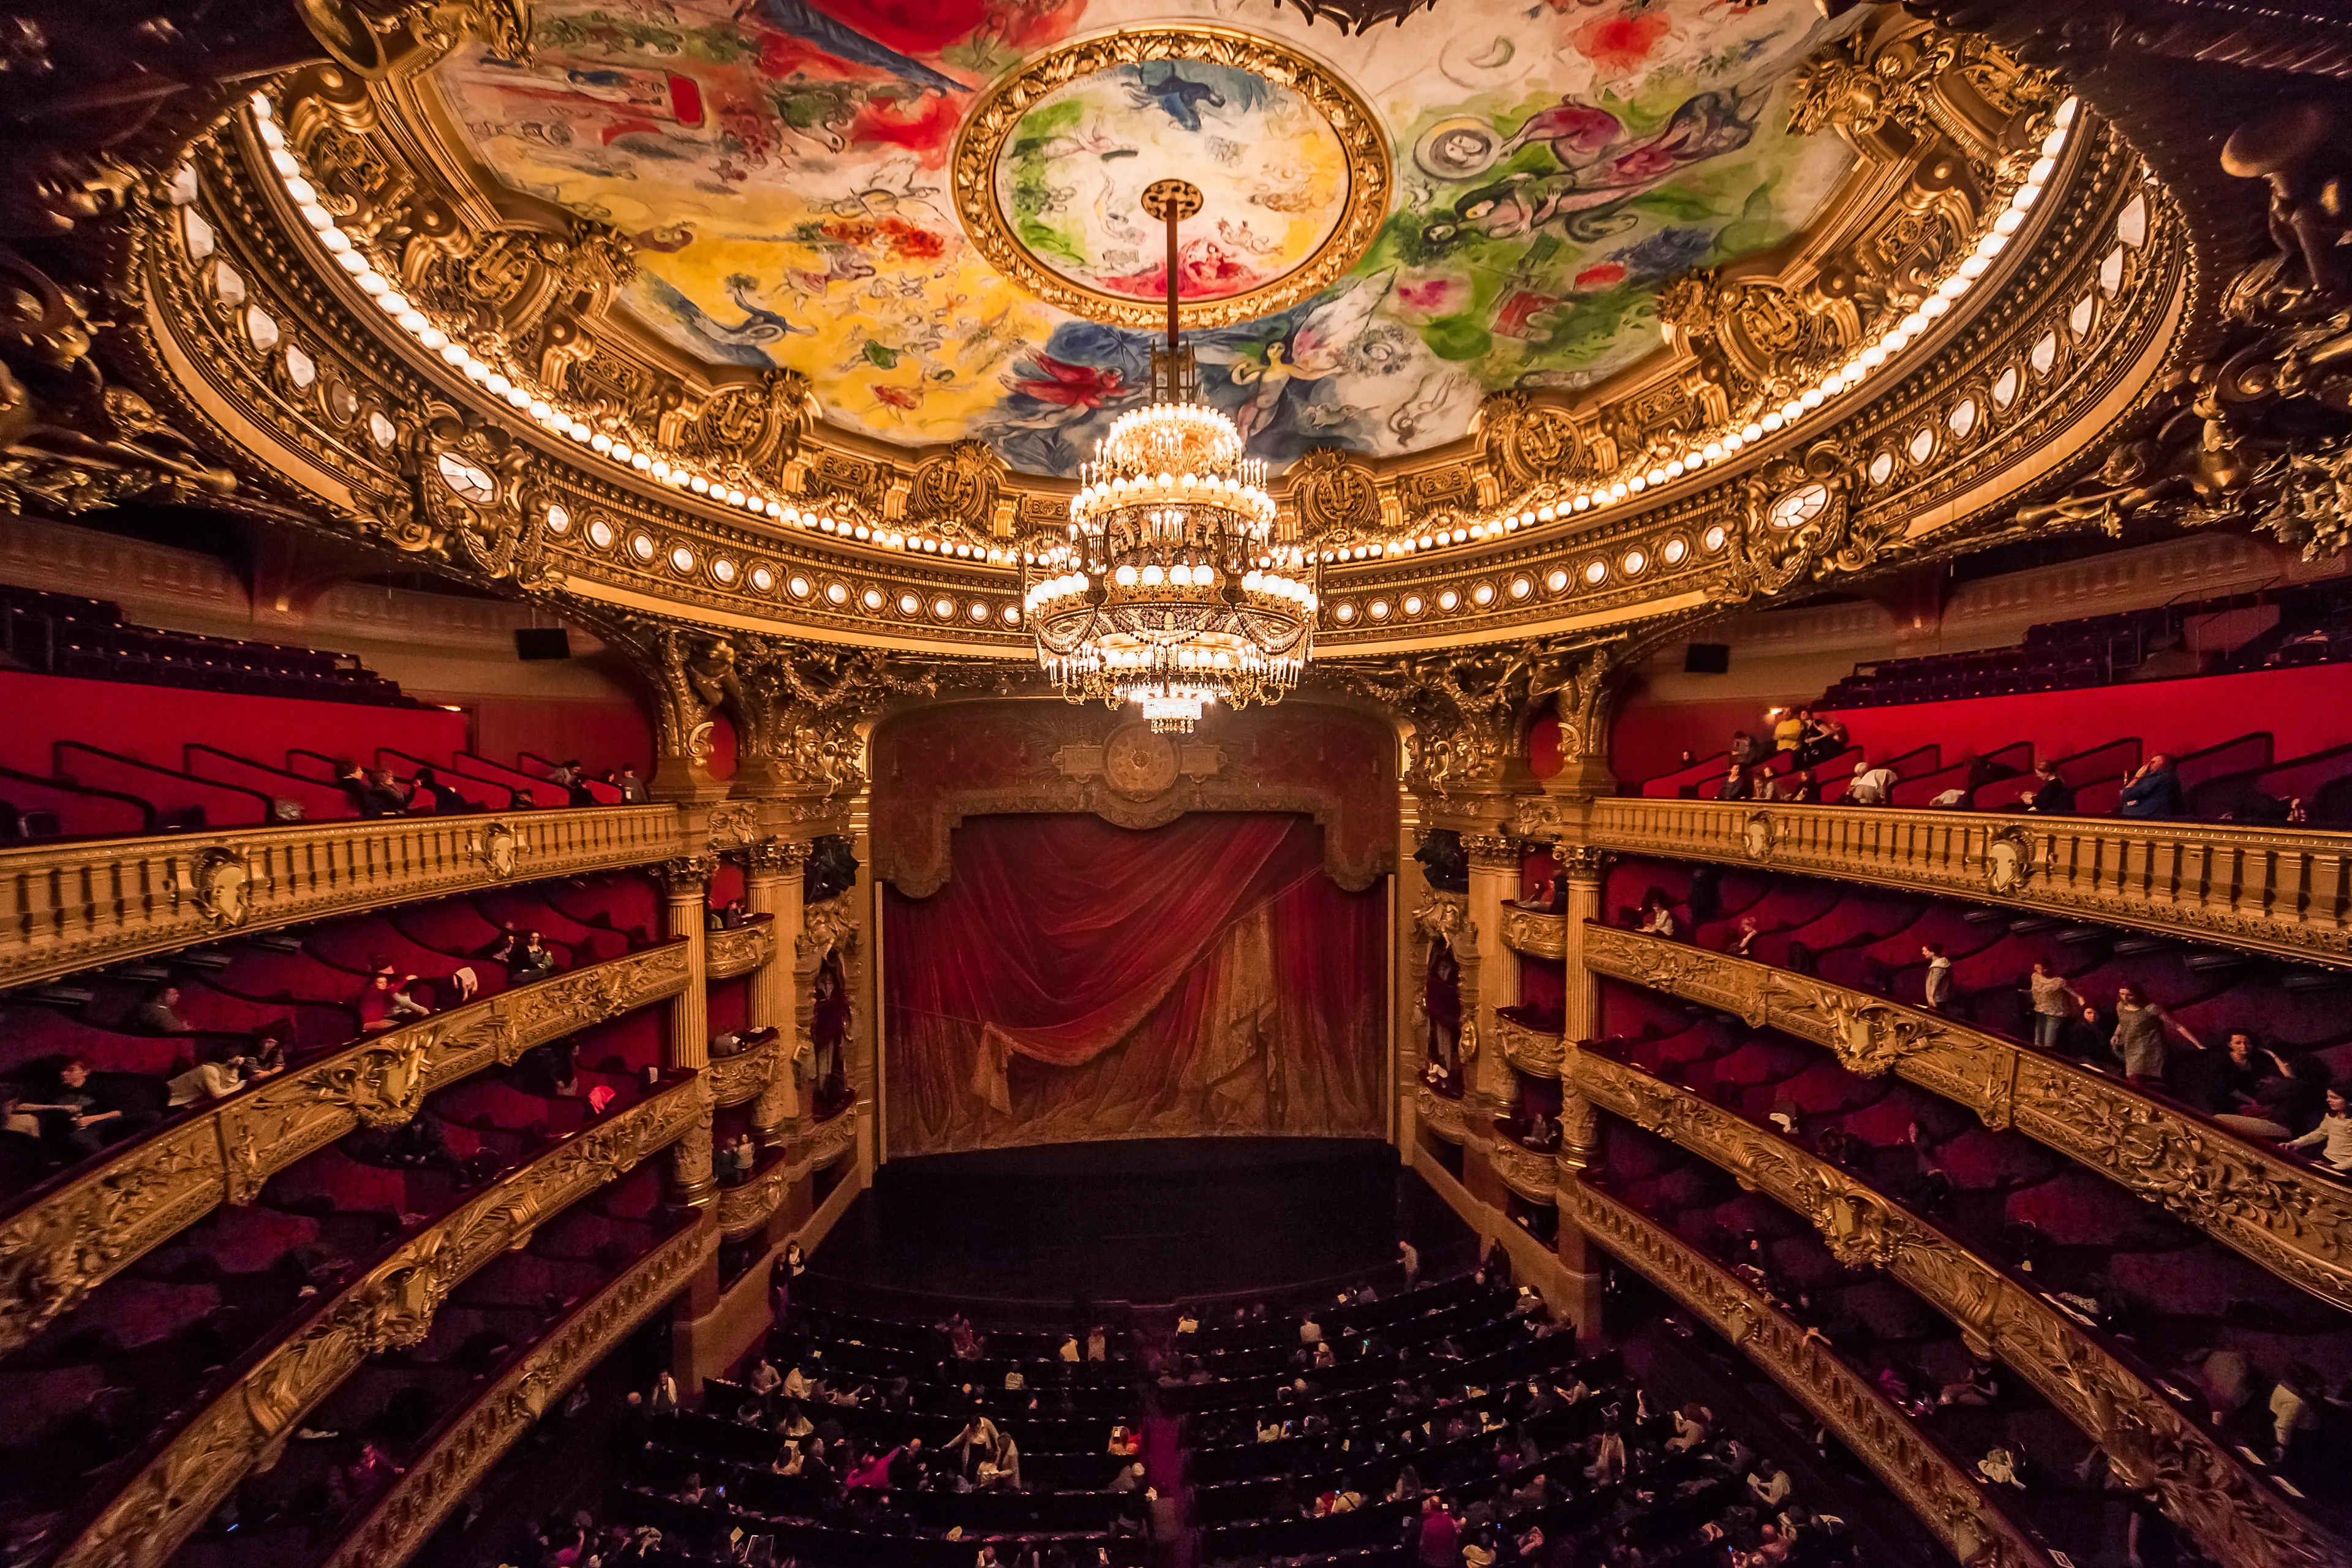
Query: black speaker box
pixel 542 642
pixel 1706 658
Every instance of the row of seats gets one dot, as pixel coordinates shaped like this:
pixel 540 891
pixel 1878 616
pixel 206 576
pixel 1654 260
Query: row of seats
pixel 251 1006
pixel 2160 1289
pixel 62 634
pixel 1878 940
pixel 2306 625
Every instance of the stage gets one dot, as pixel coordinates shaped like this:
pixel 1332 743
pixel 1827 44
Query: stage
pixel 1141 1221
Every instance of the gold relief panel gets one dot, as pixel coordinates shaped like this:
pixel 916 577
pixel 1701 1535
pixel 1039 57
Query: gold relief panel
pixel 744 1208
pixel 739 950
pixel 501 1415
pixel 1945 1496
pixel 1535 933
pixel 53 1254
pixel 2201 1484
pixel 742 1077
pixel 1529 1050
pixel 2271 891
pixel 2287 1217
pixel 1440 1114
pixel 1533 1176
pixel 827 1141
pixel 391 1307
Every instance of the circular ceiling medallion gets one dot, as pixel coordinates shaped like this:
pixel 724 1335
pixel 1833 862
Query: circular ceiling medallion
pixel 1051 165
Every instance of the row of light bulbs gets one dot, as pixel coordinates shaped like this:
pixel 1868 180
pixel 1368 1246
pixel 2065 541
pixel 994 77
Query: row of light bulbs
pixel 1837 383
pixel 1183 489
pixel 527 398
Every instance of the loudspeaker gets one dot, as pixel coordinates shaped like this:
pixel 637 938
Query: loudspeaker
pixel 1706 658
pixel 542 642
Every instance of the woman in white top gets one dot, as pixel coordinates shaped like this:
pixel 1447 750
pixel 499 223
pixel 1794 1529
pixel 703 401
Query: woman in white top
pixel 2333 1136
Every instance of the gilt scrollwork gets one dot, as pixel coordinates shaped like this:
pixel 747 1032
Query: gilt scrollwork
pixel 824 927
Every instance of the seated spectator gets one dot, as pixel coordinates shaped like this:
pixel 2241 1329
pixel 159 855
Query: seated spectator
pixel 76 1120
pixel 725 917
pixel 574 784
pixel 2050 794
pixel 160 1013
pixel 1735 785
pixel 1771 1485
pixel 1743 938
pixel 1873 784
pixel 2154 792
pixel 2333 1137
pixel 386 1004
pixel 1657 915
pixel 1798 788
pixel 215 1076
pixel 391 791
pixel 526 960
pixel 357 789
pixel 439 797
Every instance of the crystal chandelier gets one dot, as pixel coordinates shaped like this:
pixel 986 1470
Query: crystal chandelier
pixel 1176 586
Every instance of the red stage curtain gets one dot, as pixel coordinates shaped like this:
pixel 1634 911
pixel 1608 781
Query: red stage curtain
pixel 1077 980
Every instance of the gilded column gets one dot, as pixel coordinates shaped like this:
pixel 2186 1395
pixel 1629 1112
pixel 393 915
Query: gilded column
pixel 1491 980
pixel 773 884
pixel 1580 867
pixel 687 883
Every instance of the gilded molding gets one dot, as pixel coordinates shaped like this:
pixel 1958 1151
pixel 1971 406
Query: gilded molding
pixel 825 926
pixel 1529 1050
pixel 1947 1499
pixel 1362 140
pixel 54 1253
pixel 738 951
pixel 1440 1114
pixel 745 1208
pixel 2282 891
pixel 72 906
pixel 2201 1483
pixel 1535 1177
pixel 389 1308
pixel 826 1141
pixel 742 1077
pixel 502 1412
pixel 2286 1216
pixel 1535 933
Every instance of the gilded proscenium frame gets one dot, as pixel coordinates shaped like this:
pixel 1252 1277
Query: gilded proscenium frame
pixel 2289 1218
pixel 1363 143
pixel 65 907
pixel 2199 1482
pixel 1947 1499
pixel 2282 891
pixel 391 1307
pixel 55 1253
pixel 206 377
pixel 481 1435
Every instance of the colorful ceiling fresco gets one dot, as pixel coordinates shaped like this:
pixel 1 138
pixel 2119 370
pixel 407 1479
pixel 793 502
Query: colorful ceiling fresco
pixel 787 172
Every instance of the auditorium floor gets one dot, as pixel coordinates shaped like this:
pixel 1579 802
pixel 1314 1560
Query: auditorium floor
pixel 1144 1221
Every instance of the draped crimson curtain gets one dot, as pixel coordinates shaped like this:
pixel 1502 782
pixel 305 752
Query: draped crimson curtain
pixel 1075 980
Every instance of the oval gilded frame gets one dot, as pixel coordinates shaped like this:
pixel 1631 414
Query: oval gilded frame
pixel 1363 140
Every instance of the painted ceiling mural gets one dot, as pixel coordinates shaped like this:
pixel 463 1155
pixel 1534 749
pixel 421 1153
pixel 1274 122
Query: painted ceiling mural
pixel 785 168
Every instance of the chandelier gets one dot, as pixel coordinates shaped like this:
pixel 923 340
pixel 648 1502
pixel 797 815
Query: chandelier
pixel 1176 586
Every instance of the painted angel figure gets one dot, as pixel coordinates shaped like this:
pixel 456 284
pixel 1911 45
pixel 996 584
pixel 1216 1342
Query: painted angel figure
pixel 1318 347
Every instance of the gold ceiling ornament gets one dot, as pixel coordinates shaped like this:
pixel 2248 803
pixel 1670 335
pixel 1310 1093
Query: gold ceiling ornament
pixel 989 130
pixel 1176 587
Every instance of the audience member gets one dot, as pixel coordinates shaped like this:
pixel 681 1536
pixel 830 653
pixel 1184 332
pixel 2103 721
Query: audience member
pixel 1736 784
pixel 160 1013
pixel 2051 796
pixel 1873 783
pixel 2333 1136
pixel 215 1076
pixel 2137 1035
pixel 1937 986
pixel 2053 1000
pixel 2154 792
pixel 440 799
pixel 75 1121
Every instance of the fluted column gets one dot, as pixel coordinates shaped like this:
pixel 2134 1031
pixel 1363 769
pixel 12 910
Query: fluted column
pixel 687 881
pixel 771 886
pixel 1580 867
pixel 1491 980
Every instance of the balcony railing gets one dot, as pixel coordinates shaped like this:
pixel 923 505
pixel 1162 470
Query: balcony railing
pixel 2283 891
pixel 1947 1499
pixel 188 1473
pixel 1535 933
pixel 1533 1051
pixel 2235 1516
pixel 742 1077
pixel 740 949
pixel 2291 1219
pixel 73 1237
pixel 475 1438
pixel 68 907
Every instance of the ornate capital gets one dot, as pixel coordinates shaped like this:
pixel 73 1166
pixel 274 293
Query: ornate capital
pixel 1581 862
pixel 686 877
pixel 1492 851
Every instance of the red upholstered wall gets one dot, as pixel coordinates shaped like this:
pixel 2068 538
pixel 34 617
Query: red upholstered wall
pixel 601 734
pixel 2305 709
pixel 153 722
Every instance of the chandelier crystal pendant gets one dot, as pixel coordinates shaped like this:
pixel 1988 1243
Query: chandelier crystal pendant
pixel 1178 585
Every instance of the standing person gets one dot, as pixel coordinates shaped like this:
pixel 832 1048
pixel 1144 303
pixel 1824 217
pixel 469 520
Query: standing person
pixel 1937 994
pixel 2055 1001
pixel 2137 1036
pixel 1744 752
pixel 1410 1257
pixel 1440 1536
pixel 632 787
pixel 1788 729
